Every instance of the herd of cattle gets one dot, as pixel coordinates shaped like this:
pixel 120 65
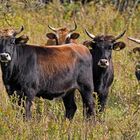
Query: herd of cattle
pixel 60 67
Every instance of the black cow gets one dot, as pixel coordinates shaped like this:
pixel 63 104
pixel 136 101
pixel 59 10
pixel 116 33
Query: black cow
pixel 47 72
pixel 103 71
pixel 137 49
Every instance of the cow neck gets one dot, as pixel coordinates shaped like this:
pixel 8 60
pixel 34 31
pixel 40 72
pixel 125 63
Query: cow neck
pixel 12 68
pixel 7 67
pixel 101 72
pixel 22 52
pixel 6 73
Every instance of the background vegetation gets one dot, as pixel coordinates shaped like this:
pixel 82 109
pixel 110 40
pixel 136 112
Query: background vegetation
pixel 121 120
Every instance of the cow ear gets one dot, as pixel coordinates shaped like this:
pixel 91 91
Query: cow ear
pixel 22 39
pixel 87 43
pixel 74 35
pixel 51 35
pixel 137 49
pixel 118 46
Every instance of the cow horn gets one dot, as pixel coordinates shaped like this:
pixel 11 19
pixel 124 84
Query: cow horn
pixel 119 36
pixel 75 27
pixel 89 34
pixel 18 31
pixel 52 28
pixel 135 40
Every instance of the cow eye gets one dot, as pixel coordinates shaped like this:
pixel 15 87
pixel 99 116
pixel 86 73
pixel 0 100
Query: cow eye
pixel 110 47
pixel 12 41
pixel 95 45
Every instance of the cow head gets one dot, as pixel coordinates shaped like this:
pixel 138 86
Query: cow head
pixel 10 32
pixel 63 35
pixel 23 39
pixel 8 41
pixel 102 47
pixel 137 49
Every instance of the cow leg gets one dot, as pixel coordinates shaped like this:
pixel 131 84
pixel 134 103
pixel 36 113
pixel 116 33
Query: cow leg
pixel 9 90
pixel 30 96
pixel 28 108
pixel 102 98
pixel 88 101
pixel 21 96
pixel 70 105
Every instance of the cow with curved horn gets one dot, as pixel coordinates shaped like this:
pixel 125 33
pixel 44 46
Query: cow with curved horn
pixel 59 37
pixel 47 72
pixel 13 32
pixel 136 49
pixel 62 35
pixel 103 71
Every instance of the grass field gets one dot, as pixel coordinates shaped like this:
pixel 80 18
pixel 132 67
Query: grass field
pixel 121 120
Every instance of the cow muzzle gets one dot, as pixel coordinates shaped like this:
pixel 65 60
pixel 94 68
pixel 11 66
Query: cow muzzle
pixel 5 57
pixel 103 63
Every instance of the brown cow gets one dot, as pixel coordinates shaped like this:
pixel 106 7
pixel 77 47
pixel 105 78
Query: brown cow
pixel 62 36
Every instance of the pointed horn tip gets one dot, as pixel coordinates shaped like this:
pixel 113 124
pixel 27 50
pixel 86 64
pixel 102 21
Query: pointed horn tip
pixel 89 34
pixel 75 27
pixel 52 28
pixel 119 36
pixel 49 26
pixel 124 31
pixel 86 30
pixel 18 31
pixel 22 27
pixel 75 23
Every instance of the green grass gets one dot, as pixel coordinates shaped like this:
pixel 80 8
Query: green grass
pixel 121 120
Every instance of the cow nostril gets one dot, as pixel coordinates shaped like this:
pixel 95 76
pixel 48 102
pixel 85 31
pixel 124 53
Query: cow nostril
pixel 2 56
pixel 7 55
pixel 103 61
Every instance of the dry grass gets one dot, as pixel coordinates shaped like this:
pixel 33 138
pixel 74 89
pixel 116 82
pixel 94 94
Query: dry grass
pixel 121 119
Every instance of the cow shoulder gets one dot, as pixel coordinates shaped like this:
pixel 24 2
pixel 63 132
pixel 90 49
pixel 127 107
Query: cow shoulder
pixel 53 59
pixel 82 49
